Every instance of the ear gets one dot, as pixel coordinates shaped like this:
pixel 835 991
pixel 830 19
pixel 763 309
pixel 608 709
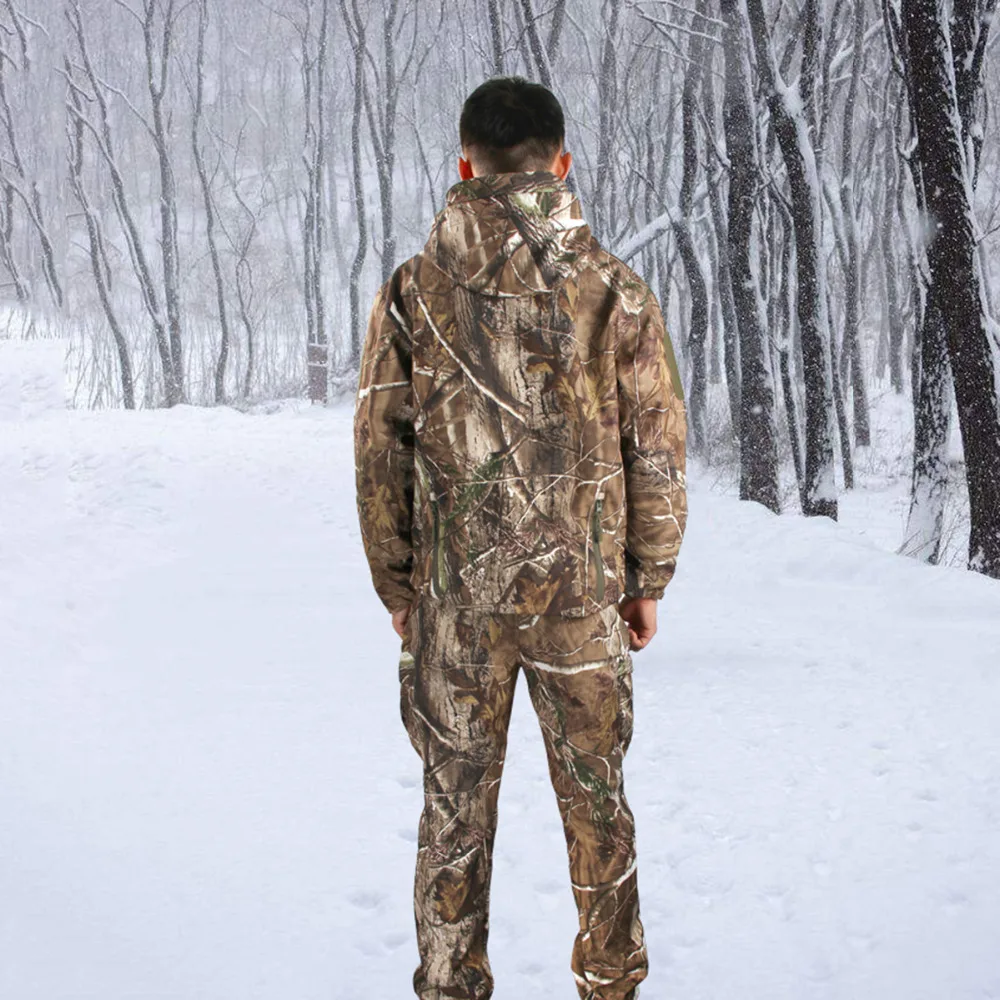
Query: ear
pixel 464 169
pixel 564 161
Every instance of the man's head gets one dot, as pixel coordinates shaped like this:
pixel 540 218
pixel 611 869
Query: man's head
pixel 509 124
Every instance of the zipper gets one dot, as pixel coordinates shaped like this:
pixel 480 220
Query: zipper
pixel 439 571
pixel 439 566
pixel 595 535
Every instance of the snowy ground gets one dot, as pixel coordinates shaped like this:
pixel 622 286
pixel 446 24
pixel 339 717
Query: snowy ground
pixel 206 792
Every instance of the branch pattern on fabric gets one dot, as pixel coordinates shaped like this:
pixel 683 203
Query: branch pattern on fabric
pixel 458 670
pixel 519 421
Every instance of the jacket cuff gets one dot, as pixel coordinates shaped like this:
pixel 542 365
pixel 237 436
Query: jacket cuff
pixel 393 608
pixel 654 592
pixel 641 583
pixel 395 595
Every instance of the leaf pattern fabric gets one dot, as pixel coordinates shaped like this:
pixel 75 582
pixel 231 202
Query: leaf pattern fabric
pixel 519 440
pixel 519 422
pixel 458 671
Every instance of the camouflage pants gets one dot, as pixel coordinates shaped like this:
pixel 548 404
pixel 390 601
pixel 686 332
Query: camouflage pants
pixel 458 669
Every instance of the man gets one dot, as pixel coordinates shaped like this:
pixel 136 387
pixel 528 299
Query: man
pixel 519 449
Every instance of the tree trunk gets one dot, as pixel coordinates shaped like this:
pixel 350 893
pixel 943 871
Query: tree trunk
pixel 356 34
pixel 102 136
pixel 157 78
pixel 931 424
pixel 758 438
pixel 892 296
pixel 496 36
pixel 608 116
pixel 791 129
pixel 698 330
pixel 97 244
pixel 852 291
pixel 730 328
pixel 843 431
pixel 951 255
pixel 209 203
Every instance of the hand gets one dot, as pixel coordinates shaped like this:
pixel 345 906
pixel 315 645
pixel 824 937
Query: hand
pixel 399 620
pixel 640 616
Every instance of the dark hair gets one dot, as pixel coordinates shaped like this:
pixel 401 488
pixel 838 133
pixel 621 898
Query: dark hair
pixel 510 124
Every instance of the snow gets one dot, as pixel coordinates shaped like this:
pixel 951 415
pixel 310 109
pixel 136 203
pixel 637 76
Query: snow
pixel 206 792
pixel 630 247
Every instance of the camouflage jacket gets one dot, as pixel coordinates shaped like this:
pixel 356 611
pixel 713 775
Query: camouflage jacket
pixel 519 423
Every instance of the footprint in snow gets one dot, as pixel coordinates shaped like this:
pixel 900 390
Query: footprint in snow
pixel 821 869
pixel 861 942
pixel 548 888
pixel 366 899
pixel 395 940
pixel 686 943
pixel 955 902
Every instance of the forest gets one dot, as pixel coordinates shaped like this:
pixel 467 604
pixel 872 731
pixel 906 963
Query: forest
pixel 202 197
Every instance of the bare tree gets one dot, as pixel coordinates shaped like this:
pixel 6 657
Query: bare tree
pixel 790 125
pixel 158 19
pixel 14 179
pixel 101 136
pixel 758 446
pixel 240 237
pixel 698 330
pixel 539 52
pixel 603 191
pixel 951 252
pixel 716 170
pixel 208 201
pixel 892 314
pixel 356 33
pixel 314 60
pixel 848 184
pixel 381 113
pixel 496 36
pixel 98 252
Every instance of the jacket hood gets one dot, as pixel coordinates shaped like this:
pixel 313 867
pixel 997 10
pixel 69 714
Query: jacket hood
pixel 509 234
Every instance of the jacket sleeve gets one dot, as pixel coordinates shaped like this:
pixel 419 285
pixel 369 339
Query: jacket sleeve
pixel 653 427
pixel 383 447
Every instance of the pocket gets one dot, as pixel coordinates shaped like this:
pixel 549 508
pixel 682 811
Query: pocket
pixel 623 631
pixel 439 559
pixel 595 544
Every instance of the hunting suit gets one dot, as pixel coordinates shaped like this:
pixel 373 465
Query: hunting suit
pixel 519 452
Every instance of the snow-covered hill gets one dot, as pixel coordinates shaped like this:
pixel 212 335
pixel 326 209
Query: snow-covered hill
pixel 206 792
